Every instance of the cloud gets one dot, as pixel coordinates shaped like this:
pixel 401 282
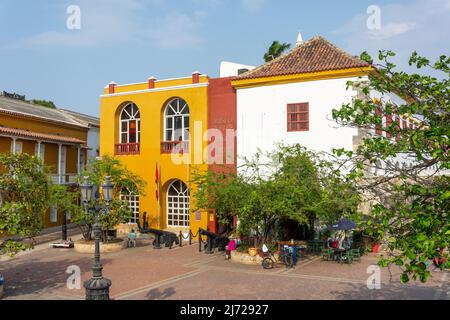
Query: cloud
pixel 392 29
pixel 110 22
pixel 415 26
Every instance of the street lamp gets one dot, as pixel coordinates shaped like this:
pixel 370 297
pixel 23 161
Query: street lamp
pixel 97 288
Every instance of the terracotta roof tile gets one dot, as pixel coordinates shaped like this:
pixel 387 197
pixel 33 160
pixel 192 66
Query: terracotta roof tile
pixel 314 55
pixel 39 136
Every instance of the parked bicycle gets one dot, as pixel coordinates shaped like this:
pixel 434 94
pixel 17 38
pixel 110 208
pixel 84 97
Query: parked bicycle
pixel 284 257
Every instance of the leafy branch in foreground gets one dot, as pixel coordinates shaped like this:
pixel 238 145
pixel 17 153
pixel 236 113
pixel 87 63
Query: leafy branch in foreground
pixel 403 170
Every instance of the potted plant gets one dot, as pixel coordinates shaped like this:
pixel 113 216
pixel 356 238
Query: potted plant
pixel 253 251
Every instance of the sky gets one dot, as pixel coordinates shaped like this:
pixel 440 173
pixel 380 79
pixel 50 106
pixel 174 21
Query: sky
pixel 43 56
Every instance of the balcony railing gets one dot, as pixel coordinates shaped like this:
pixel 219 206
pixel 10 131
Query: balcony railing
pixel 66 178
pixel 175 147
pixel 127 148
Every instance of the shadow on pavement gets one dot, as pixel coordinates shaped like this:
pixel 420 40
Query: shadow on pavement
pixel 397 291
pixel 156 294
pixel 36 276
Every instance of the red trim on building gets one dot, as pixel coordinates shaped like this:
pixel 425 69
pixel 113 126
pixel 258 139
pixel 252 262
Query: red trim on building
pixel 388 123
pixel 196 77
pixel 298 117
pixel 111 88
pixel 151 83
pixel 39 136
pixel 123 149
pixel 222 115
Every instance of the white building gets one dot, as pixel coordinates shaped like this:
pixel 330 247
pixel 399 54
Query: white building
pixel 291 98
pixel 93 137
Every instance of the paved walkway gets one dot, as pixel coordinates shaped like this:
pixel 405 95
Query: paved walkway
pixel 184 273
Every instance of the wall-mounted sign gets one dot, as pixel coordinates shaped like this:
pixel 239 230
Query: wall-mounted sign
pixel 198 216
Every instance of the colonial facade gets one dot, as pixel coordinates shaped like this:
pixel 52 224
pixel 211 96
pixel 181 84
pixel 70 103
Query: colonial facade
pixel 288 100
pixel 50 134
pixel 145 126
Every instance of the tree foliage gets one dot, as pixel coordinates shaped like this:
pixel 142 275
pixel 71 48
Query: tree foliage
pixel 25 195
pixel 123 180
pixel 290 183
pixel 275 50
pixel 44 103
pixel 411 203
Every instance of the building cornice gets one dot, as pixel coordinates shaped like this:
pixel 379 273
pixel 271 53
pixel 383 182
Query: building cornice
pixel 182 87
pixel 302 77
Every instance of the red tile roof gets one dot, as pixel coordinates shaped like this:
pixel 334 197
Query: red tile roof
pixel 39 136
pixel 314 55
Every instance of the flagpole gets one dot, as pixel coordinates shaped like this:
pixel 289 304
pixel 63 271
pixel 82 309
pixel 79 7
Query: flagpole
pixel 159 196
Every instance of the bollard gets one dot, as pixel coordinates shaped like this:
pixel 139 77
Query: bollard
pixel 64 226
pixel 190 237
pixel 157 242
pixel 209 242
pixel 181 238
pixel 199 242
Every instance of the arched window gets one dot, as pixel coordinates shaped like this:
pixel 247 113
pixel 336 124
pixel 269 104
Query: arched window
pixel 130 124
pixel 176 121
pixel 132 199
pixel 178 201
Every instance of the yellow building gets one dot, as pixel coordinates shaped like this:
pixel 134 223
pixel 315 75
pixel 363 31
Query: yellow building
pixel 53 136
pixel 141 124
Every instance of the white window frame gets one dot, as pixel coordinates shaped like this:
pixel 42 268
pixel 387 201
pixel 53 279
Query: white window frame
pixel 132 117
pixel 42 150
pixel 133 204
pixel 178 206
pixel 19 147
pixel 178 106
pixel 54 213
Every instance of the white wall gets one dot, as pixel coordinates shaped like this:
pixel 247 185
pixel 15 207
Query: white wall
pixel 262 116
pixel 93 142
pixel 231 69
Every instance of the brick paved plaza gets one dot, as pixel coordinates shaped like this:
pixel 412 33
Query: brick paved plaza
pixel 184 273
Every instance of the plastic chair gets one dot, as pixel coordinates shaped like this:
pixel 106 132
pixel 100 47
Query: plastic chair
pixel 326 254
pixel 346 257
pixel 355 254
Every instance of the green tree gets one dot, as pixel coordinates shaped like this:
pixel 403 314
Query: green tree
pixel 276 50
pixel 289 183
pixel 123 180
pixel 411 212
pixel 44 103
pixel 25 195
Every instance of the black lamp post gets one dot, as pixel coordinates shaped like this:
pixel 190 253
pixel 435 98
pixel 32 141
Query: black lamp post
pixel 97 288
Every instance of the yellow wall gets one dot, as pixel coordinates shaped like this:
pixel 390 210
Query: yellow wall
pixel 51 149
pixel 42 126
pixel 151 105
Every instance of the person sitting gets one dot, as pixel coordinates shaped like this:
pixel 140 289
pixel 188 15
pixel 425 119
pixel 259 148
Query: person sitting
pixel 132 239
pixel 345 244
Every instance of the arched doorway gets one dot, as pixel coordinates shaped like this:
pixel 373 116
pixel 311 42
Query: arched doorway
pixel 178 202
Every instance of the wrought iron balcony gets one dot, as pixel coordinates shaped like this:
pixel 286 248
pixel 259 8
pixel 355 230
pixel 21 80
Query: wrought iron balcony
pixel 174 147
pixel 127 149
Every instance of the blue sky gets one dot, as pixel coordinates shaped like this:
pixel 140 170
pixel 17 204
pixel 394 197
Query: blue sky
pixel 127 41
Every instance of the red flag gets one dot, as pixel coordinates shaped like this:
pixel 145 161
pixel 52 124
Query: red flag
pixel 157 182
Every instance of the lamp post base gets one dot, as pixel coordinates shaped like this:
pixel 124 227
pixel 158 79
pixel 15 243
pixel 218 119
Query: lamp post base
pixel 97 288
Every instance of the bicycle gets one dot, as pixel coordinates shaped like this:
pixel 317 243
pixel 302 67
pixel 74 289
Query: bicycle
pixel 285 257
